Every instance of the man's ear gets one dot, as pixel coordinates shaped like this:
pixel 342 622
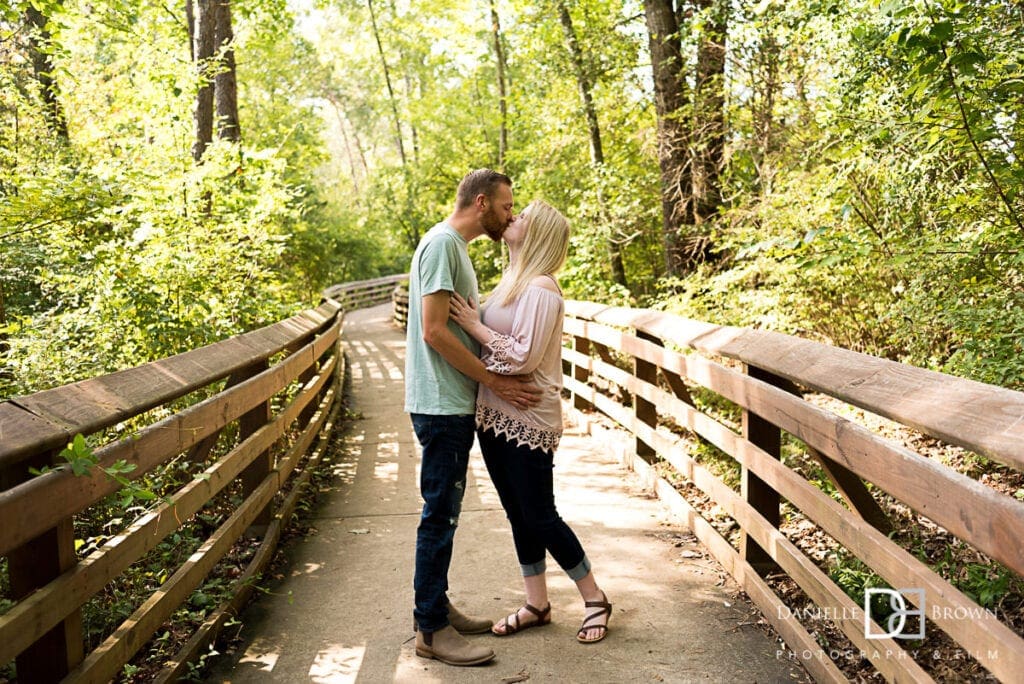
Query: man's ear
pixel 481 202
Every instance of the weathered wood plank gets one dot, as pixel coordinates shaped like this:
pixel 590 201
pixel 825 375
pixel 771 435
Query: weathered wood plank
pixel 28 509
pixel 91 405
pixel 245 583
pixel 23 623
pixel 999 649
pixel 983 418
pixel 756 493
pixel 23 433
pixel 985 518
pixel 106 660
pixel 58 647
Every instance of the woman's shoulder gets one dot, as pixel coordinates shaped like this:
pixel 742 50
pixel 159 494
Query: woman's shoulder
pixel 545 282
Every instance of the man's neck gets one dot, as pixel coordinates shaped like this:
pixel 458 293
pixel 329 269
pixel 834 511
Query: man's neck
pixel 466 223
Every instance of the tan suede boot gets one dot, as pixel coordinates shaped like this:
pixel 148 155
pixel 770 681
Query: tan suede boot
pixel 464 624
pixel 451 648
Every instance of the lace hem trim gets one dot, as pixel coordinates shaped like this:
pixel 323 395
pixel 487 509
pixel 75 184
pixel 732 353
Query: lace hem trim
pixel 489 418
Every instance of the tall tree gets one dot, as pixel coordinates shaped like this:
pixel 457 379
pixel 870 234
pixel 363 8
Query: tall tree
pixel 499 57
pixel 670 104
pixel 343 125
pixel 203 50
pixel 585 86
pixel 39 40
pixel 226 81
pixel 709 118
pixel 691 135
pixel 387 80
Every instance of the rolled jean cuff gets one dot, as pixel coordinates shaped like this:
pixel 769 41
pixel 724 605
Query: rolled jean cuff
pixel 532 569
pixel 580 571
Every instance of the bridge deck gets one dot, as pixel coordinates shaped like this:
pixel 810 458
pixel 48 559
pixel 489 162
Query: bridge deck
pixel 343 610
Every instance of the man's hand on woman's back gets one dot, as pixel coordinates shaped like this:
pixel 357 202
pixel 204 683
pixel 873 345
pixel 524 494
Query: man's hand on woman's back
pixel 517 390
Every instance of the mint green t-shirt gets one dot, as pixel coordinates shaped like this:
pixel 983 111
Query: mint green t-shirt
pixel 432 385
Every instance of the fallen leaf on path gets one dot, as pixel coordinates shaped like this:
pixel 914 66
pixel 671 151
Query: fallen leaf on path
pixel 521 677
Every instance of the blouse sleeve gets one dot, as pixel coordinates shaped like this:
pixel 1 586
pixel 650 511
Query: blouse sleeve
pixel 538 316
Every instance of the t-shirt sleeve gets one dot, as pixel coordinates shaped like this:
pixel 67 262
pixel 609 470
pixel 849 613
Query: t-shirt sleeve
pixel 538 316
pixel 437 265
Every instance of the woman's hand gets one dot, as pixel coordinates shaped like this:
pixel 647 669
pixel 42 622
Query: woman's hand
pixel 462 312
pixel 465 314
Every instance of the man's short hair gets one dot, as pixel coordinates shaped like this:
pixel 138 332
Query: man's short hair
pixel 481 181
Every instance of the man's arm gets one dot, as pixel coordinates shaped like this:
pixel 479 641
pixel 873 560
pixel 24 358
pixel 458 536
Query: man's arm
pixel 517 390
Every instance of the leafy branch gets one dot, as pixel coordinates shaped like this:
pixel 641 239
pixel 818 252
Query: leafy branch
pixel 80 460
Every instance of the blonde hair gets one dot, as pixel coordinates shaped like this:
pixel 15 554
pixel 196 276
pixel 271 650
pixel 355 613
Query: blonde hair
pixel 544 250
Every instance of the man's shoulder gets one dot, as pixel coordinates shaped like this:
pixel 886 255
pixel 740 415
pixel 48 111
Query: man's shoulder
pixel 441 232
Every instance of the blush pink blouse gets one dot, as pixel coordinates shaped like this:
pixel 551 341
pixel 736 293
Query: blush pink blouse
pixel 527 338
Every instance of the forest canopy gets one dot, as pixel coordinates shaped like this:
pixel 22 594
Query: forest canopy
pixel 172 174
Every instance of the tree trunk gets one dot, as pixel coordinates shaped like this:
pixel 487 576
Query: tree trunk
pixel 203 49
pixel 670 104
pixel 6 373
pixel 339 112
pixel 226 81
pixel 42 68
pixel 766 81
pixel 190 21
pixel 387 80
pixel 590 111
pixel 499 56
pixel 709 116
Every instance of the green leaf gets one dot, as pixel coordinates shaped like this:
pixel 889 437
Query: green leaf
pixel 941 31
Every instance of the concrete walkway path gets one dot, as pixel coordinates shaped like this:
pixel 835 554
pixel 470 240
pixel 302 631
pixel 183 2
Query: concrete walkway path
pixel 343 610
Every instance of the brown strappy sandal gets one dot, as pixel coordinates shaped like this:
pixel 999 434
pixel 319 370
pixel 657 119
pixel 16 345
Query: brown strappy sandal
pixel 543 618
pixel 606 609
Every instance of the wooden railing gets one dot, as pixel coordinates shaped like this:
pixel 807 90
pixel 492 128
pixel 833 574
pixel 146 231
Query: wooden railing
pixel 272 395
pixel 643 369
pixel 368 293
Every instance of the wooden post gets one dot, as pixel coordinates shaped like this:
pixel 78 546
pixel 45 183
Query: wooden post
pixel 305 376
pixel 579 373
pixel 34 565
pixel 645 411
pixel 854 491
pixel 754 490
pixel 254 474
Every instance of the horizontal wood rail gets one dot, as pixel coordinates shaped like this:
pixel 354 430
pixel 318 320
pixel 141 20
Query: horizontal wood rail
pixel 271 394
pixel 641 368
pixel 369 292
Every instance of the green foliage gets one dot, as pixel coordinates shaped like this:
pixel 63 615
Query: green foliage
pixel 80 460
pixel 855 578
pixel 114 243
pixel 876 198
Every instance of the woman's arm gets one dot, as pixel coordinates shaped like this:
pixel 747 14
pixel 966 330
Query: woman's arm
pixel 537 317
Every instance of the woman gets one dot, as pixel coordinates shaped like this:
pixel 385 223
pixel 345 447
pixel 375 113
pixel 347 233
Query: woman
pixel 520 331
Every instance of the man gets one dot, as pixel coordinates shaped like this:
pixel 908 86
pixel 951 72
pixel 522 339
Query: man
pixel 442 370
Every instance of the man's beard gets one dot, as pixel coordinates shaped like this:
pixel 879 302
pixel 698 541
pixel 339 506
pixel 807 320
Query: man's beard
pixel 493 225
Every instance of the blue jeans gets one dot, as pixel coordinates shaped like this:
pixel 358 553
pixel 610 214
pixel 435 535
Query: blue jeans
pixel 524 478
pixel 446 441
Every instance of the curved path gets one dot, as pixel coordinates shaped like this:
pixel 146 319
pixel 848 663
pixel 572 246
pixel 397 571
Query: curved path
pixel 342 609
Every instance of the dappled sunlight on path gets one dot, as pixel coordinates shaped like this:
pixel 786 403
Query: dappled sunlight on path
pixel 341 610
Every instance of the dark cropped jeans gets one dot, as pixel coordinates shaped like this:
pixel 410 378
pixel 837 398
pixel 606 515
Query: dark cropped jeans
pixel 446 441
pixel 524 479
